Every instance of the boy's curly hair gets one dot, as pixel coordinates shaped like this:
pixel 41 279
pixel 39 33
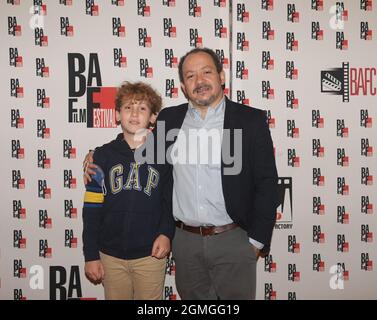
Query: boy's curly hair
pixel 138 91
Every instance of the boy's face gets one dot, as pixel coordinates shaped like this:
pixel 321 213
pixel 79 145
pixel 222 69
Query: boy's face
pixel 134 116
pixel 202 84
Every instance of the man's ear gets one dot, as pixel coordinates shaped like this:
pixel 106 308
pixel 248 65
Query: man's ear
pixel 183 88
pixel 222 77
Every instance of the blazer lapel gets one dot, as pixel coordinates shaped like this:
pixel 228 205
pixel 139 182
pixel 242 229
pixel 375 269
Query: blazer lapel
pixel 227 144
pixel 229 109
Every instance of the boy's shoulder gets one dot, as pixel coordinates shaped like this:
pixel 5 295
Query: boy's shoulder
pixel 102 152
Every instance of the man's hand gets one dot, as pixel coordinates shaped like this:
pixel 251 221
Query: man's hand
pixel 258 253
pixel 94 271
pixel 88 167
pixel 161 247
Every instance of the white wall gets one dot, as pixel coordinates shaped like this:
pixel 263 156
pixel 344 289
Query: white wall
pixel 93 34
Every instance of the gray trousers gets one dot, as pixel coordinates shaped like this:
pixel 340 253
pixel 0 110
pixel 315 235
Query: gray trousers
pixel 222 266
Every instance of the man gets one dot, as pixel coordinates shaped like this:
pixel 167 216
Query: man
pixel 224 221
pixel 224 217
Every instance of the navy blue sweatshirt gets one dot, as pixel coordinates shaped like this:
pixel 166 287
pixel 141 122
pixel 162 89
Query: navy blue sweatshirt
pixel 126 205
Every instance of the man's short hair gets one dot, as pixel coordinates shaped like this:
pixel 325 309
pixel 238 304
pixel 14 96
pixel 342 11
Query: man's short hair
pixel 213 55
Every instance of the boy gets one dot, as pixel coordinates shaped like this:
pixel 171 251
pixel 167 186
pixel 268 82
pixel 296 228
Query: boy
pixel 127 225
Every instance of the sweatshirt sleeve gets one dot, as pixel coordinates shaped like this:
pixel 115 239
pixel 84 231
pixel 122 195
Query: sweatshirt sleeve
pixel 92 215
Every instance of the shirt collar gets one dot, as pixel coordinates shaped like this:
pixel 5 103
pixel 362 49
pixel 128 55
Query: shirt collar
pixel 216 110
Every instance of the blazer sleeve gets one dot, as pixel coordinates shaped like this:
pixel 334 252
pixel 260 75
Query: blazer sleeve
pixel 265 186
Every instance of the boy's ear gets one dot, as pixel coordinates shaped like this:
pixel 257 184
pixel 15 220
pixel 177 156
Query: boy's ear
pixel 153 118
pixel 117 116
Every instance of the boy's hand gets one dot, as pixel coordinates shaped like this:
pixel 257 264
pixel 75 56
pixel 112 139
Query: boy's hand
pixel 88 165
pixel 94 271
pixel 161 247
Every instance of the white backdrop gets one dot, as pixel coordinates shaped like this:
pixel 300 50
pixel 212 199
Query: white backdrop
pixel 310 64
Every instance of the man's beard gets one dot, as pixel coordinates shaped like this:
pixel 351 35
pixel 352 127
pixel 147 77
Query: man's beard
pixel 204 102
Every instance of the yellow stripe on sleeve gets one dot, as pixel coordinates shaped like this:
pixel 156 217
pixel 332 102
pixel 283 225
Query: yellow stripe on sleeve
pixel 94 197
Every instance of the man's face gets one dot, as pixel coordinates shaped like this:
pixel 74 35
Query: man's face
pixel 202 84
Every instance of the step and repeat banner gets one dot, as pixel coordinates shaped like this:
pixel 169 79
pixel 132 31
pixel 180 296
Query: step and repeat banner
pixel 310 64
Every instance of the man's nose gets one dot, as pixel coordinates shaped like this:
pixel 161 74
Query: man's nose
pixel 199 79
